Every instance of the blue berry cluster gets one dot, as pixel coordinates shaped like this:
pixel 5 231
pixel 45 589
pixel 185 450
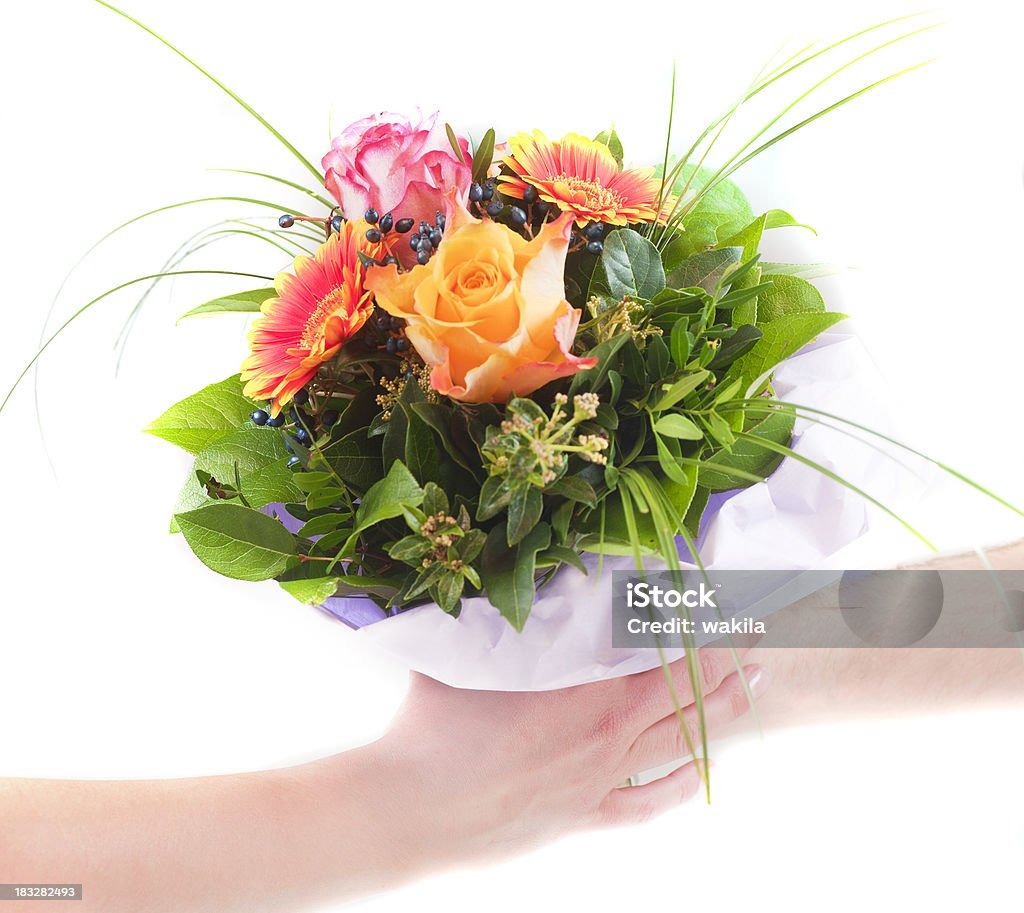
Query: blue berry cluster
pixel 303 420
pixel 426 239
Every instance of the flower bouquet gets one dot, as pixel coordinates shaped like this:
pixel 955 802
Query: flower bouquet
pixel 496 363
pixel 493 366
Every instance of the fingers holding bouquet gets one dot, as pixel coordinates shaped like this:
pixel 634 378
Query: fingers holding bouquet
pixel 524 767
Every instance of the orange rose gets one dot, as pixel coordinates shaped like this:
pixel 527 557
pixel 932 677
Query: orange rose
pixel 488 313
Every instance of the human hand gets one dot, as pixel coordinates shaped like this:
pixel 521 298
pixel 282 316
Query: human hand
pixel 483 774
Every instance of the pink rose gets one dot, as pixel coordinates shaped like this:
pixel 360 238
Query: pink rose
pixel 394 164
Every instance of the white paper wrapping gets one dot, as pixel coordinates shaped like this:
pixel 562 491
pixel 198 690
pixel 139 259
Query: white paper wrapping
pixel 796 519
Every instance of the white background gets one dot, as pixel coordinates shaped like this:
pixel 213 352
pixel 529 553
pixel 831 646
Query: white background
pixel 123 657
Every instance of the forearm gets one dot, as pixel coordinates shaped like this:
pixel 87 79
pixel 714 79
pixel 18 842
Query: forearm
pixel 822 684
pixel 832 684
pixel 272 840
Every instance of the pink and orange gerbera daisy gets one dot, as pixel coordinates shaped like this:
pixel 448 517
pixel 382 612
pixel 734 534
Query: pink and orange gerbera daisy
pixel 319 306
pixel 580 176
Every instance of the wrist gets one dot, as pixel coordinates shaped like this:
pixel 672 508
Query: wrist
pixel 368 825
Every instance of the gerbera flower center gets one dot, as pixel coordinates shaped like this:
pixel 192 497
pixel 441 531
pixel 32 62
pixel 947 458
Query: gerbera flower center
pixel 594 194
pixel 318 325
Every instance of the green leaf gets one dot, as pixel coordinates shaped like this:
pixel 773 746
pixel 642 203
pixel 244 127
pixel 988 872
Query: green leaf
pixel 782 338
pixel 358 413
pixel 779 218
pixel 736 346
pixel 611 139
pixel 720 212
pixel 367 585
pixel 388 497
pixel 681 342
pixel 325 497
pixel 727 390
pixel 311 481
pixel 721 430
pixel 559 554
pixel 527 409
pixel 706 269
pixel 561 517
pixel 192 496
pixel 696 510
pixel 426 579
pixel 678 426
pixel 439 418
pixel 681 389
pixel 239 302
pixel 470 545
pixel 606 416
pixel 237 542
pixel 483 156
pixel 803 270
pixel 508 573
pixel 425 461
pixel 469 572
pixel 629 265
pixel 744 287
pixel 449 590
pixel 324 524
pixel 421 454
pixel 410 549
pixel 395 434
pixel 747 455
pixel 524 510
pixel 658 359
pixel 311 591
pixel 259 457
pixel 748 237
pixel 210 415
pixel 435 501
pixel 605 352
pixel 615 385
pixel 632 362
pixel 454 140
pixel 669 453
pixel 495 494
pixel 356 459
pixel 787 295
pixel 574 488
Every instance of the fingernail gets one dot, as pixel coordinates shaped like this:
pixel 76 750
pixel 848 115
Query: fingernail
pixel 757 679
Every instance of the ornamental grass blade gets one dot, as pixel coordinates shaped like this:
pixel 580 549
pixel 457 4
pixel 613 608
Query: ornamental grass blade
pixel 779 407
pixel 644 495
pixel 287 183
pixel 85 307
pixel 786 68
pixel 260 236
pixel 835 477
pixel 77 264
pixel 232 95
pixel 675 218
pixel 967 480
pixel 819 114
pixel 668 148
